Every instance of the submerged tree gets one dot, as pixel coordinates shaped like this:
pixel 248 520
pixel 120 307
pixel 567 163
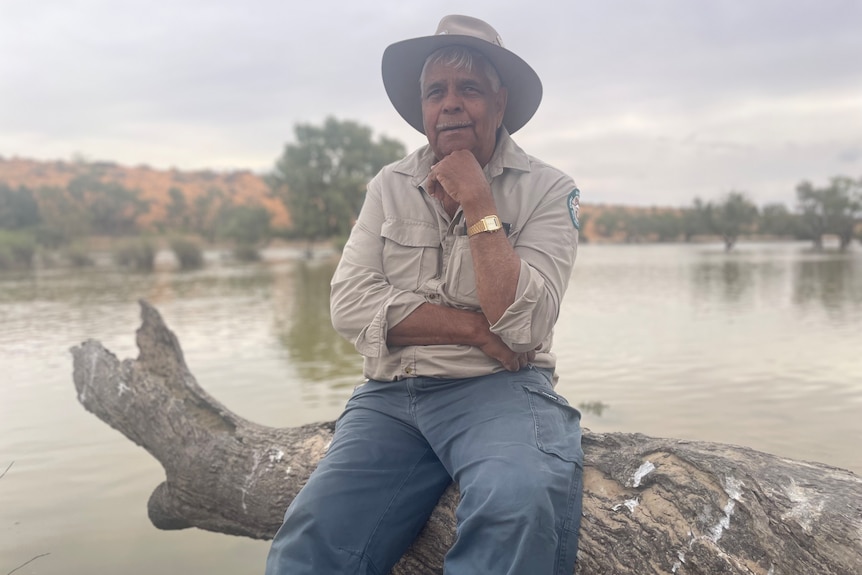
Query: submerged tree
pixel 777 220
pixel 830 210
pixel 732 217
pixel 322 176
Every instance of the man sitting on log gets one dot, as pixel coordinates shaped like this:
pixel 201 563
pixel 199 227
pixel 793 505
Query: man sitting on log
pixel 449 286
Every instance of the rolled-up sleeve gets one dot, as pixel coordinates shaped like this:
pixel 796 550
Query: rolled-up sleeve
pixel 547 246
pixel 363 305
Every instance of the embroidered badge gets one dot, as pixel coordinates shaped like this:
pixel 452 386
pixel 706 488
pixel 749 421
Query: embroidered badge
pixel 574 203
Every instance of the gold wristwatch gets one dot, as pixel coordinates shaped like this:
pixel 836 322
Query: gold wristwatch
pixel 486 224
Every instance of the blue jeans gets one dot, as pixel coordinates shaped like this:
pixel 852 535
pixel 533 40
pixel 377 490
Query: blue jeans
pixel 510 442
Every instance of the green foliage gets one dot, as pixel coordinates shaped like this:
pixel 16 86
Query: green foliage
pixel 204 213
pixel 778 220
pixel 188 253
pixel 16 249
pixel 77 256
pixel 138 254
pixel 63 218
pixel 245 224
pixel 178 216
pixel 338 243
pixel 732 217
pixel 695 220
pixel 830 210
pixel 112 209
pixel 18 208
pixel 322 177
pixel 637 226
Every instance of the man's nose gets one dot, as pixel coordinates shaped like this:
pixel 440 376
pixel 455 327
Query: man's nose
pixel 452 102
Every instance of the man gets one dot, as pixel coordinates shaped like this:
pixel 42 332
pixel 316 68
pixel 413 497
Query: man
pixel 449 286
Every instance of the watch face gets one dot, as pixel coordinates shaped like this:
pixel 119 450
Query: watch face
pixel 486 224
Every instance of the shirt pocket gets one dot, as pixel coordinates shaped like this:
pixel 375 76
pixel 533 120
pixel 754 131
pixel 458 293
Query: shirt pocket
pixel 460 287
pixel 411 252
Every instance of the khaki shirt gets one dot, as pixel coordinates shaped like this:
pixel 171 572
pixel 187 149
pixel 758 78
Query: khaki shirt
pixel 405 251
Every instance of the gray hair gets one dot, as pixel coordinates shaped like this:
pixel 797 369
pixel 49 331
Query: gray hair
pixel 461 58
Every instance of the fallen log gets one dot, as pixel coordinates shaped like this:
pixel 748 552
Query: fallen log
pixel 650 505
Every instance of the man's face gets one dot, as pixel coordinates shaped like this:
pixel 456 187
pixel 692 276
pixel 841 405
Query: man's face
pixel 460 111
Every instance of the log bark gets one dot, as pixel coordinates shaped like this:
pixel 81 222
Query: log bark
pixel 650 505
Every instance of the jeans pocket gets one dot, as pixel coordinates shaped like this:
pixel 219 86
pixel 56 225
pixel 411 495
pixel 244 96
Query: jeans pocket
pixel 558 425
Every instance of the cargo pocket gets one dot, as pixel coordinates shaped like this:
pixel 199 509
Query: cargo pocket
pixel 558 425
pixel 411 252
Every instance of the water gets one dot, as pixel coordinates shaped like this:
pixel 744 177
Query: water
pixel 760 347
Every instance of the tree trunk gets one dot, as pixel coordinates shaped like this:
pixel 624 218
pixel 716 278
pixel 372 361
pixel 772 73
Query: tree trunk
pixel 650 505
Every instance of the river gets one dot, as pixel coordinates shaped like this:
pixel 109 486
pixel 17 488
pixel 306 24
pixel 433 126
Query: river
pixel 759 347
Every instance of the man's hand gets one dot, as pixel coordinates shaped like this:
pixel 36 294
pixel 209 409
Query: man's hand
pixel 496 349
pixel 462 179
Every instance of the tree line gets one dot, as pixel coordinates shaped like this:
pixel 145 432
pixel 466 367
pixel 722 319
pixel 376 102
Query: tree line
pixel 834 209
pixel 321 176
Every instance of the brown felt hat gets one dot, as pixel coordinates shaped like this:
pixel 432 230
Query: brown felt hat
pixel 403 61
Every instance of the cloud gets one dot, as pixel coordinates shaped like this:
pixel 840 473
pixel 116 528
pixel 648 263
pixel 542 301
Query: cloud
pixel 644 102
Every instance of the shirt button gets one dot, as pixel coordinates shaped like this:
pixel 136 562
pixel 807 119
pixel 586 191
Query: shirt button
pixel 408 370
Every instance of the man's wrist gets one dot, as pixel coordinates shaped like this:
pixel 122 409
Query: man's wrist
pixel 490 223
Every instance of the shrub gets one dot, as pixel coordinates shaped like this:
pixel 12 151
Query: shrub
pixel 16 249
pixel 246 253
pixel 77 256
pixel 138 254
pixel 338 243
pixel 188 252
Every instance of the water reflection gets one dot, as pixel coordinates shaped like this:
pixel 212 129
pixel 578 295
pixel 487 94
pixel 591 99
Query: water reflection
pixel 596 408
pixel 832 282
pixel 318 353
pixel 729 278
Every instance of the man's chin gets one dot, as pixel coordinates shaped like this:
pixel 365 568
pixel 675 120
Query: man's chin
pixel 449 147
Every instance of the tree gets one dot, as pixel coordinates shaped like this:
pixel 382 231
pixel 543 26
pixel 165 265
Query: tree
pixel 696 219
pixel 247 226
pixel 777 220
pixel 735 215
pixel 830 210
pixel 322 176
pixel 177 217
pixel 667 224
pixel 113 209
pixel 18 208
pixel 204 212
pixel 650 505
pixel 63 218
pixel 610 221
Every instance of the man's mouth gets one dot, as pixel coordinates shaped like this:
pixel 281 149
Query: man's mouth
pixel 448 126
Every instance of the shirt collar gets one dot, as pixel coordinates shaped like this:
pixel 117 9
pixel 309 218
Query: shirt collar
pixel 507 155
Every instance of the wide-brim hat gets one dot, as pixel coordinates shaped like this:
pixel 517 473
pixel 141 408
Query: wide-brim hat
pixel 403 62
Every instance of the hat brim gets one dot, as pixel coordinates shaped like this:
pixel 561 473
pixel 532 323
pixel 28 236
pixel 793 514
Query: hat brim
pixel 403 62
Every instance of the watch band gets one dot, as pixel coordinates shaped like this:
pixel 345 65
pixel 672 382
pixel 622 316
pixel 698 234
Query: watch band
pixel 486 224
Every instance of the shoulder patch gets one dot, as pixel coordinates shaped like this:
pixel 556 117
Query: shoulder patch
pixel 574 203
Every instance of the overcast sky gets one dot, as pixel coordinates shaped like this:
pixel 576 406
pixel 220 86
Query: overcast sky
pixel 646 102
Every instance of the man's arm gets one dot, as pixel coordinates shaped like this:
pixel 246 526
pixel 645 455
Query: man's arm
pixel 367 310
pixel 432 324
pixel 519 288
pixel 495 263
